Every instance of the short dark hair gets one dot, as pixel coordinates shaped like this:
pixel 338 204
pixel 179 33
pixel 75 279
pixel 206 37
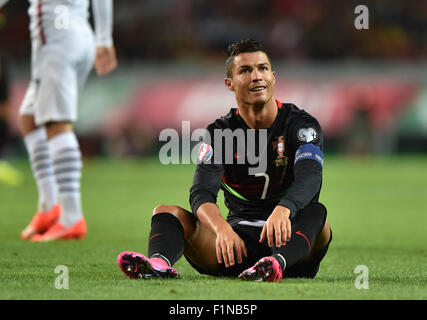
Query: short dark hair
pixel 234 49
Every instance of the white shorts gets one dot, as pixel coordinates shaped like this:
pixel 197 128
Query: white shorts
pixel 59 71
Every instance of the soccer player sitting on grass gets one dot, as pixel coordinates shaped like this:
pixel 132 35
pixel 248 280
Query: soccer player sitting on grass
pixel 275 227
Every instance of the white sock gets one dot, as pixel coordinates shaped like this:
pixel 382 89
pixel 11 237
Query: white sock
pixel 41 164
pixel 283 260
pixel 67 165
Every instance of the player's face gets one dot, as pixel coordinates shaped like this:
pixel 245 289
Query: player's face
pixel 253 80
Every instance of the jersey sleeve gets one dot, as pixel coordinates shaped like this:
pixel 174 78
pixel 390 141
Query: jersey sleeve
pixel 103 19
pixel 305 130
pixel 306 141
pixel 207 176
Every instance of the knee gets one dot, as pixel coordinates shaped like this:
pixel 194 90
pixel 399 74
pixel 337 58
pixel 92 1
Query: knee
pixel 186 219
pixel 315 212
pixel 173 210
pixel 321 209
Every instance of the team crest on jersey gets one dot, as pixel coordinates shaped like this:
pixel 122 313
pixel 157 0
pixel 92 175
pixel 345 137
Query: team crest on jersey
pixel 279 147
pixel 205 152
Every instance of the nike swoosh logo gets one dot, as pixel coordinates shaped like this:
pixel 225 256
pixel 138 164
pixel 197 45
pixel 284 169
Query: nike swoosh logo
pixel 305 237
pixel 155 235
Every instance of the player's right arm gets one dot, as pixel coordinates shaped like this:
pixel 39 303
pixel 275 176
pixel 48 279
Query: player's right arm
pixel 228 242
pixel 105 59
pixel 203 197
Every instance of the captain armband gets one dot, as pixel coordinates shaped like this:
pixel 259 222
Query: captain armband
pixel 309 151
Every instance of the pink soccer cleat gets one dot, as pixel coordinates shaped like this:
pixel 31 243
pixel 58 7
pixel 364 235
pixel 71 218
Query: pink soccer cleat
pixel 137 266
pixel 266 269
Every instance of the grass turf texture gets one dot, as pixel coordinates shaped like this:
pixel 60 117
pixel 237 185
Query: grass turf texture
pixel 376 208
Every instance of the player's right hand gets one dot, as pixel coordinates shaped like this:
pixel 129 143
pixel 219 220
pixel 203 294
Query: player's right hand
pixel 229 243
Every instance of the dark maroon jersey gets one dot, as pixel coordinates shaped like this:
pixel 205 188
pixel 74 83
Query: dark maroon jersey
pixel 290 174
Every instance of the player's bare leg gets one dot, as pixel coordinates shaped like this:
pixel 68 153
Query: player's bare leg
pixel 56 128
pixel 26 124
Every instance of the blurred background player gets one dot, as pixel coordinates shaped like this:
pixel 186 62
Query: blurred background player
pixel 64 49
pixel 8 174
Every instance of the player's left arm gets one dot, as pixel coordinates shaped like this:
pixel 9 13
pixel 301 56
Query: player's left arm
pixel 307 141
pixel 105 59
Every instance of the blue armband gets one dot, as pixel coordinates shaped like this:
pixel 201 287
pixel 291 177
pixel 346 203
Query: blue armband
pixel 309 151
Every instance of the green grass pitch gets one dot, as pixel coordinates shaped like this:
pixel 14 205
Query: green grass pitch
pixel 376 208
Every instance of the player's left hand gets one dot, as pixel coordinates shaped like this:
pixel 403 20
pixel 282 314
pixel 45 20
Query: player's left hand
pixel 105 60
pixel 278 227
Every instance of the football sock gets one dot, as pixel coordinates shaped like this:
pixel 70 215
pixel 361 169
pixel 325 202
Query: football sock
pixel 67 165
pixel 306 226
pixel 166 240
pixel 41 164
